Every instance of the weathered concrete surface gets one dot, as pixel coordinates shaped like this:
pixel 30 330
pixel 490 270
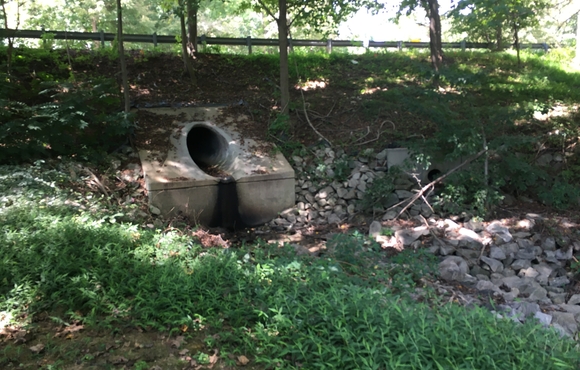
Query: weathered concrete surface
pixel 176 184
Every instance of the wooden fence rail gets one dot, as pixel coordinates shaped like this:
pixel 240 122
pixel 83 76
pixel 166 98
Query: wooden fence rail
pixel 247 41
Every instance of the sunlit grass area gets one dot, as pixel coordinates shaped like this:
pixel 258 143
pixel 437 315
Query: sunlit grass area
pixel 79 259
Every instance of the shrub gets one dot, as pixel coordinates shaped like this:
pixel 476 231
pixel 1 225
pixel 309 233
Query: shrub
pixel 80 119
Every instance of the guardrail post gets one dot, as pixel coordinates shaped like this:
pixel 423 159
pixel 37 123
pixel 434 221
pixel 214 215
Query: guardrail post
pixel 102 37
pixel 43 38
pixel 462 45
pixel 203 42
pixel 329 46
pixel 249 44
pixel 154 39
pixel 400 45
pixel 545 45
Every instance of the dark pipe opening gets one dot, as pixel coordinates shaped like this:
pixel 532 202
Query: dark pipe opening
pixel 209 149
pixel 206 147
pixel 434 174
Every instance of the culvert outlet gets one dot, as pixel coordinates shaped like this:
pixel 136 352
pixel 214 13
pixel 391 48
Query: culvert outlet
pixel 211 174
pixel 206 146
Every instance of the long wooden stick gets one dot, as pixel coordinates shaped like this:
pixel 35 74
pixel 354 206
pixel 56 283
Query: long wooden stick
pixel 438 180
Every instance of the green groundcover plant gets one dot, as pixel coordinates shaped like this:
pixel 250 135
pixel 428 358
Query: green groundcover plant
pixel 62 252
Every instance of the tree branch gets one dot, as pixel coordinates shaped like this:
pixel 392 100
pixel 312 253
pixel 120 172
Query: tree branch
pixel 438 180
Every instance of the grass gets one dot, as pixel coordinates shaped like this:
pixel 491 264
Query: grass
pixel 78 260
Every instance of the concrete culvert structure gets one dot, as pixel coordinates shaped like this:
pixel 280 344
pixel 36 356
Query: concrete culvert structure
pixel 206 146
pixel 247 188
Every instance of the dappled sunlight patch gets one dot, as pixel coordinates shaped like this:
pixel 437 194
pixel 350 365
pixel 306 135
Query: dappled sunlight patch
pixel 311 85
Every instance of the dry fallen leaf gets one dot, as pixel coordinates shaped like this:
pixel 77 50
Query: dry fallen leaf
pixel 37 348
pixel 213 358
pixel 183 351
pixel 243 360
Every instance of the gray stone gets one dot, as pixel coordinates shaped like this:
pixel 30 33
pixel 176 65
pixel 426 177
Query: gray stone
pixel 406 237
pixel 495 265
pixel 526 309
pixel 500 232
pixel 512 281
pixel 525 243
pixel 557 298
pixel 544 269
pixel 351 194
pixel 564 254
pixel 375 229
pixel 508 272
pixel 404 194
pixel 453 268
pixel 333 218
pixel 575 299
pixel 572 308
pixel 543 318
pixel 477 271
pixel 381 156
pixel 521 264
pixel 474 225
pixel 390 200
pixel 496 278
pixel 528 272
pixel 566 321
pixel 559 281
pixel 154 210
pixel 469 254
pixel 446 249
pixel 526 224
pixel 481 277
pixel 497 253
pixel 549 244
pixel 526 254
pixel 510 248
pixel 544 160
pixel 487 285
pixel 390 215
pixel 351 209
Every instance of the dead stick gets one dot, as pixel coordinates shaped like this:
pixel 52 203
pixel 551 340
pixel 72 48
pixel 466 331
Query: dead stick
pixel 438 180
pixel 310 123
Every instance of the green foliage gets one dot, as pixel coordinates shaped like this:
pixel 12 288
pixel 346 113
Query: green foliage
pixel 493 20
pixel 346 310
pixel 378 191
pixel 75 119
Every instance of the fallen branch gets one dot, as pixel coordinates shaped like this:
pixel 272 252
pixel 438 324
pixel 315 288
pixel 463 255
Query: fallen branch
pixel 100 185
pixel 310 123
pixel 438 180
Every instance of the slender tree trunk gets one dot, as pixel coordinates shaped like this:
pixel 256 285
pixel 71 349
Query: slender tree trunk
pixel 498 38
pixel 94 28
pixel 192 9
pixel 122 57
pixel 577 57
pixel 186 58
pixel 517 39
pixel 435 34
pixel 283 43
pixel 10 40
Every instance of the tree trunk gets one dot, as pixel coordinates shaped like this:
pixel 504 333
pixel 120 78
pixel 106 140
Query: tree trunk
pixel 577 57
pixel 10 40
pixel 435 34
pixel 283 43
pixel 192 9
pixel 517 40
pixel 498 38
pixel 186 58
pixel 122 57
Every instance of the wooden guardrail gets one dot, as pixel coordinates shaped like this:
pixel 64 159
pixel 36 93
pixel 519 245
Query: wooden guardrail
pixel 247 41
